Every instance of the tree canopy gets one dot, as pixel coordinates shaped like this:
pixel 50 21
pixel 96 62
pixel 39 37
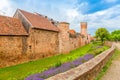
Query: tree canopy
pixel 115 35
pixel 102 34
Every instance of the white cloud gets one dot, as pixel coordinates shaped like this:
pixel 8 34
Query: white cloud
pixel 72 13
pixel 6 8
pixel 105 15
pixel 108 18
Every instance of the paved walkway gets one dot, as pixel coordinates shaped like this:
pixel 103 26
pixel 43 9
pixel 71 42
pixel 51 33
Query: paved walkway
pixel 113 73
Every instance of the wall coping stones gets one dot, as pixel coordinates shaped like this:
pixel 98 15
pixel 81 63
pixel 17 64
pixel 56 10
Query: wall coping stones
pixel 88 70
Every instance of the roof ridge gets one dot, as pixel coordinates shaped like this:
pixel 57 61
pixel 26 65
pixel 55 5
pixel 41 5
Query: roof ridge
pixel 24 10
pixel 38 21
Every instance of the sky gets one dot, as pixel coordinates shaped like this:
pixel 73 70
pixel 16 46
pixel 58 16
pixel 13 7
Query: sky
pixel 97 13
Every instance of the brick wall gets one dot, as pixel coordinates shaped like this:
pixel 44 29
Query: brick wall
pixel 75 43
pixel 10 48
pixel 12 45
pixel 19 49
pixel 67 43
pixel 42 42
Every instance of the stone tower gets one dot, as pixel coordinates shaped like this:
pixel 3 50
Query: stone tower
pixel 84 34
pixel 84 28
pixel 63 37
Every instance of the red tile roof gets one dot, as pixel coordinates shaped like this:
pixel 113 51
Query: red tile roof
pixel 72 31
pixel 39 21
pixel 11 26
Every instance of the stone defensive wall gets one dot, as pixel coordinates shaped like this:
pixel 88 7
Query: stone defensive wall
pixel 117 44
pixel 88 70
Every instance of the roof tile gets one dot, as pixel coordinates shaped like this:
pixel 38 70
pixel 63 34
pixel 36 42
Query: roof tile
pixel 11 26
pixel 39 21
pixel 72 31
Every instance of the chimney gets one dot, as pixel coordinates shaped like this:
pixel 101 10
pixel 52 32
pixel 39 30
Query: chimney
pixel 84 28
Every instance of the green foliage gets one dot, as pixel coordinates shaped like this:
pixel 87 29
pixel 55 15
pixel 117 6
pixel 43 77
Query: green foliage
pixel 102 34
pixel 58 64
pixel 115 35
pixel 108 64
pixel 19 72
pixel 97 48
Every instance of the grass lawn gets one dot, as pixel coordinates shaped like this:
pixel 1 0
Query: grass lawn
pixel 19 72
pixel 108 64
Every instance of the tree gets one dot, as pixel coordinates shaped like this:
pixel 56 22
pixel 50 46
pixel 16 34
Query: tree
pixel 102 34
pixel 115 35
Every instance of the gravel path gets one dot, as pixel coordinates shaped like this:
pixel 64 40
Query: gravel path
pixel 113 73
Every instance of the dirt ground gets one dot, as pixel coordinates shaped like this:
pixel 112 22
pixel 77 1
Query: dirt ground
pixel 113 73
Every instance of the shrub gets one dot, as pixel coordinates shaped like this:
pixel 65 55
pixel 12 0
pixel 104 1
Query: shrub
pixel 58 64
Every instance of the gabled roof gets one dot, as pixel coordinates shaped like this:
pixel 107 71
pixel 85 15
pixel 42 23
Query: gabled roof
pixel 11 26
pixel 39 21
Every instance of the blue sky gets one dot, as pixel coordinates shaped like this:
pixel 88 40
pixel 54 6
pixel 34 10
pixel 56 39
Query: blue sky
pixel 98 13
